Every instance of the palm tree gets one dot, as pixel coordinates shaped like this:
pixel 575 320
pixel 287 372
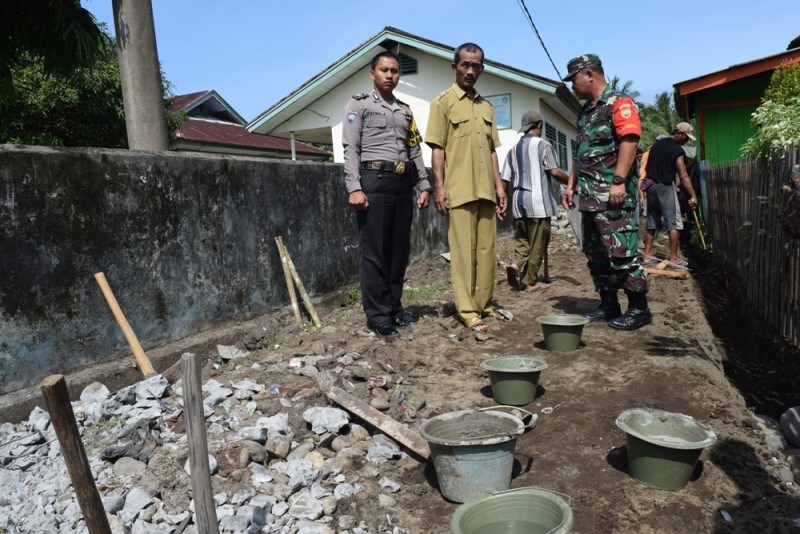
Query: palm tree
pixel 626 88
pixel 61 32
pixel 658 118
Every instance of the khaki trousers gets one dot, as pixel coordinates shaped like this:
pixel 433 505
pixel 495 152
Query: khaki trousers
pixel 472 235
pixel 531 237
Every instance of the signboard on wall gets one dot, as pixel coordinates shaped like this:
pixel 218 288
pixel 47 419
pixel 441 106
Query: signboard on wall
pixel 502 110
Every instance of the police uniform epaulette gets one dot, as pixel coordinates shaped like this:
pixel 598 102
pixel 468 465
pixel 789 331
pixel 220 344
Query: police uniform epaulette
pixel 360 96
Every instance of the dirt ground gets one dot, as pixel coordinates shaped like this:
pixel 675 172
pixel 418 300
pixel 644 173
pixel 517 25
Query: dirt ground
pixel 675 364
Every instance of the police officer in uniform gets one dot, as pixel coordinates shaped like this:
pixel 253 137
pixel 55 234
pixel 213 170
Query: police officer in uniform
pixel 382 165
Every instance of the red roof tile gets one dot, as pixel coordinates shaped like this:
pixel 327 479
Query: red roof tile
pixel 181 101
pixel 222 133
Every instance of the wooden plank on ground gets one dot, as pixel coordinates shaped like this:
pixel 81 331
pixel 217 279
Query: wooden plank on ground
pixel 397 431
pixel 667 273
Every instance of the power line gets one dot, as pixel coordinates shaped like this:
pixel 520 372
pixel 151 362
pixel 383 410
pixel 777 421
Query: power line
pixel 530 20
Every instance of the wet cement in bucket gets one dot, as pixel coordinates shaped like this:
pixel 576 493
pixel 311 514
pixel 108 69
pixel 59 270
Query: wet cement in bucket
pixel 471 428
pixel 472 451
pixel 663 447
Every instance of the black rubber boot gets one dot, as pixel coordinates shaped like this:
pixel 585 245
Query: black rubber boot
pixel 637 316
pixel 609 308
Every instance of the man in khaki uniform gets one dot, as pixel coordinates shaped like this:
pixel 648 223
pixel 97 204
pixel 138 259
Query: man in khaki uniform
pixel 462 134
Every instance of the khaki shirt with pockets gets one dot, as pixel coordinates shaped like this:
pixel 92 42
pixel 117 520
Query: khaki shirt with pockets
pixel 464 126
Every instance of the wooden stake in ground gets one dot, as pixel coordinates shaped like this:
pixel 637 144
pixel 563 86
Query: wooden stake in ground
pixel 141 358
pixel 198 446
pixel 303 294
pixel 56 398
pixel 287 275
pixel 385 424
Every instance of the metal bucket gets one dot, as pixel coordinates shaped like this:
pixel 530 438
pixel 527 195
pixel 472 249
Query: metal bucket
pixel 517 511
pixel 472 451
pixel 562 333
pixel 514 378
pixel 663 447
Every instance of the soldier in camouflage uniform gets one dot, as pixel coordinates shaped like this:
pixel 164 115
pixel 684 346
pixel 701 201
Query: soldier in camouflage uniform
pixel 382 166
pixel 605 177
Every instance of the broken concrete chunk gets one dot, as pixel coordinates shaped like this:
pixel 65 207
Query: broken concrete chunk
pixel 228 352
pixel 276 425
pixel 95 392
pixel 326 419
pixel 212 465
pixel 388 485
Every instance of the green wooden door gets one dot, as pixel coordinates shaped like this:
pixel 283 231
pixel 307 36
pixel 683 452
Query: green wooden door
pixel 726 130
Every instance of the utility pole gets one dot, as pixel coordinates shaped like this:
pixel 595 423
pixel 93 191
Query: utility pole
pixel 140 74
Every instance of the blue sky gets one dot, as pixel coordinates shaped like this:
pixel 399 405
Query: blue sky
pixel 255 52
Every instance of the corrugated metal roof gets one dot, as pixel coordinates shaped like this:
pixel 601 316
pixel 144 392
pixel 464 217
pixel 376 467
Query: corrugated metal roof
pixel 224 133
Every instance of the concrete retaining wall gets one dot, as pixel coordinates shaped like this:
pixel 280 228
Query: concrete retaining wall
pixel 185 241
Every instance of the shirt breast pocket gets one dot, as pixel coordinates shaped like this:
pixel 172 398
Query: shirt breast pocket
pixel 375 122
pixel 460 126
pixel 487 126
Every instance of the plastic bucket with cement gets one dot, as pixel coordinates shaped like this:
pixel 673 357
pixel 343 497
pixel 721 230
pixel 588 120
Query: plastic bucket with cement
pixel 517 511
pixel 514 378
pixel 472 451
pixel 562 333
pixel 663 447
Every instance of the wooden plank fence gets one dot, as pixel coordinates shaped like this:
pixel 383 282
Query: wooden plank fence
pixel 742 225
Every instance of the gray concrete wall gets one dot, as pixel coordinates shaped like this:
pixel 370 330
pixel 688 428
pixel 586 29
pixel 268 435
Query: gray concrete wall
pixel 186 242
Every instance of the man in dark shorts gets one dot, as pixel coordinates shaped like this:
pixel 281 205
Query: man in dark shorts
pixel 667 159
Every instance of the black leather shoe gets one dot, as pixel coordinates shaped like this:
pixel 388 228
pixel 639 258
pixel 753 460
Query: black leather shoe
pixel 386 330
pixel 603 315
pixel 402 321
pixel 634 318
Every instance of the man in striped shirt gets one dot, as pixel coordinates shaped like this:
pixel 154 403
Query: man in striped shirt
pixel 529 167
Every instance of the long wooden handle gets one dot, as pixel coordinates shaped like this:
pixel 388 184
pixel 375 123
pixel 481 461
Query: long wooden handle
pixel 397 431
pixel 289 284
pixel 56 398
pixel 141 358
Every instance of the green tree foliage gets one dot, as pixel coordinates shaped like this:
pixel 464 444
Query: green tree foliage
pixel 59 32
pixel 658 118
pixel 624 88
pixel 777 120
pixel 83 108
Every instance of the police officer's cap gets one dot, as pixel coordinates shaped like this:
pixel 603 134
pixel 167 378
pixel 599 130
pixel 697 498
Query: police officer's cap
pixel 579 63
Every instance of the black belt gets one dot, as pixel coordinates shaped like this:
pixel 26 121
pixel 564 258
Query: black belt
pixel 395 167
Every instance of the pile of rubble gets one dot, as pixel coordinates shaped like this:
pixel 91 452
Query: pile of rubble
pixel 278 474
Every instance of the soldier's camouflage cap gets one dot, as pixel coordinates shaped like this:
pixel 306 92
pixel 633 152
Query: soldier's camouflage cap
pixel 576 64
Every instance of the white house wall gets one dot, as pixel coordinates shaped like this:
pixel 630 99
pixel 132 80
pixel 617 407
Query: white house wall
pixel 417 90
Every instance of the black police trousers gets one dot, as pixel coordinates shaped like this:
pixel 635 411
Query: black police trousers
pixel 385 229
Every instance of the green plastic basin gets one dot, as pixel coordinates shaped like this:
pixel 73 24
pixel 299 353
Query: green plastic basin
pixel 514 378
pixel 562 333
pixel 663 447
pixel 517 511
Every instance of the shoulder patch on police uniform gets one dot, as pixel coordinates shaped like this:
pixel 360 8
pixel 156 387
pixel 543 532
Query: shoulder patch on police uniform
pixel 351 116
pixel 413 137
pixel 360 96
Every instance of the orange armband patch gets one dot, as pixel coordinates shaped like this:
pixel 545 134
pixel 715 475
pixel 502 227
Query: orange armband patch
pixel 626 118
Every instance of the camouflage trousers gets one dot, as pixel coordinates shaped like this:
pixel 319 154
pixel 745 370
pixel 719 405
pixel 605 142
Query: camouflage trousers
pixel 609 242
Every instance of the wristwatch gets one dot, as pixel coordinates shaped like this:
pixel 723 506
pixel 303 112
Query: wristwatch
pixel 617 180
